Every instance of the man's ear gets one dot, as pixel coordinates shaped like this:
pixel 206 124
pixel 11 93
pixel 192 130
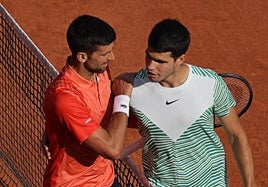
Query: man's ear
pixel 81 57
pixel 181 59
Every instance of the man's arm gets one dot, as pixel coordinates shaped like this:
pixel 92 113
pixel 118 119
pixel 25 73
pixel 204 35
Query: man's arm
pixel 109 141
pixel 129 77
pixel 240 146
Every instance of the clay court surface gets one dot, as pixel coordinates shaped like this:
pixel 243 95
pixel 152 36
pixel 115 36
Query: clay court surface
pixel 227 36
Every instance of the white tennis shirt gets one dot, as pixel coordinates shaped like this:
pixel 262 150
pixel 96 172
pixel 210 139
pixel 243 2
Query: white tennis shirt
pixel 181 146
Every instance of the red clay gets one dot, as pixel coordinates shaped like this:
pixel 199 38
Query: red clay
pixel 227 36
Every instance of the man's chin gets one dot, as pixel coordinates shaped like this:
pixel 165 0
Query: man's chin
pixel 101 70
pixel 104 68
pixel 153 79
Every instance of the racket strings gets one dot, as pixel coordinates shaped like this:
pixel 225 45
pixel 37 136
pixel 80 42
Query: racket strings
pixel 241 92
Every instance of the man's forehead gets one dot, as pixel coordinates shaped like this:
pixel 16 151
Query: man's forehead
pixel 150 51
pixel 105 48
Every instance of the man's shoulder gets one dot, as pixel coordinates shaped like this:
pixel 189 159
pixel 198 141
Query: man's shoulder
pixel 204 72
pixel 62 84
pixel 141 74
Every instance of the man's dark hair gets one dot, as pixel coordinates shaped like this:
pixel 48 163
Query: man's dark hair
pixel 170 35
pixel 86 33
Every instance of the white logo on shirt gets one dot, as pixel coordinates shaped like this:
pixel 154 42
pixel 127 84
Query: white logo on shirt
pixel 88 120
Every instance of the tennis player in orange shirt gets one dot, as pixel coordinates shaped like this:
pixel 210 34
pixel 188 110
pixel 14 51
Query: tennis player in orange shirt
pixel 85 126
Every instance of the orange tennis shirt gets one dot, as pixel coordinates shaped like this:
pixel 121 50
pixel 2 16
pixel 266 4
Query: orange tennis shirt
pixel 74 108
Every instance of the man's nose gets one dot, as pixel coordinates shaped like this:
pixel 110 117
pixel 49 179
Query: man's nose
pixel 111 56
pixel 150 64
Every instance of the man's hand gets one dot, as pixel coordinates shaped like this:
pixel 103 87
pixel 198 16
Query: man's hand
pixel 123 84
pixel 128 77
pixel 44 144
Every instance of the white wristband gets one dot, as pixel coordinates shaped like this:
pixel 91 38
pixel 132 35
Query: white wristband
pixel 121 104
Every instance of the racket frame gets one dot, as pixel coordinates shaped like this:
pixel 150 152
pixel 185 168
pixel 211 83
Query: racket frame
pixel 244 80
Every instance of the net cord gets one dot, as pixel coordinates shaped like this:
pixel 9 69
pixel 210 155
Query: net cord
pixel 49 67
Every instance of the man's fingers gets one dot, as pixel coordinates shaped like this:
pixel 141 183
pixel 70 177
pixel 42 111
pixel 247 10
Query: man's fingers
pixel 121 87
pixel 46 152
pixel 44 145
pixel 128 77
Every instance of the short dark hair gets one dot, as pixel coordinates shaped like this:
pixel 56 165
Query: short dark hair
pixel 170 35
pixel 87 32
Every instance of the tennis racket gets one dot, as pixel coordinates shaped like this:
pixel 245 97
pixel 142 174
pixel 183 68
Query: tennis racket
pixel 241 91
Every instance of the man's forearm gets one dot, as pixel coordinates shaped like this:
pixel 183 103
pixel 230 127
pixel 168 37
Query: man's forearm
pixel 117 131
pixel 243 156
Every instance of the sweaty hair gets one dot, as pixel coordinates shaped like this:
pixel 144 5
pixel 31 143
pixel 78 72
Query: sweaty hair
pixel 170 35
pixel 86 33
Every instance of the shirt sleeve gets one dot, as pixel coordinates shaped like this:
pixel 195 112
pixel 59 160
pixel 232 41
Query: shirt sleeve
pixel 223 98
pixel 73 113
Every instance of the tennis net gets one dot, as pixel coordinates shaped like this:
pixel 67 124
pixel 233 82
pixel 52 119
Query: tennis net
pixel 25 74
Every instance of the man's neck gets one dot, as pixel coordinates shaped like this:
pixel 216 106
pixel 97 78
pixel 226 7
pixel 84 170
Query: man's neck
pixel 81 70
pixel 178 78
